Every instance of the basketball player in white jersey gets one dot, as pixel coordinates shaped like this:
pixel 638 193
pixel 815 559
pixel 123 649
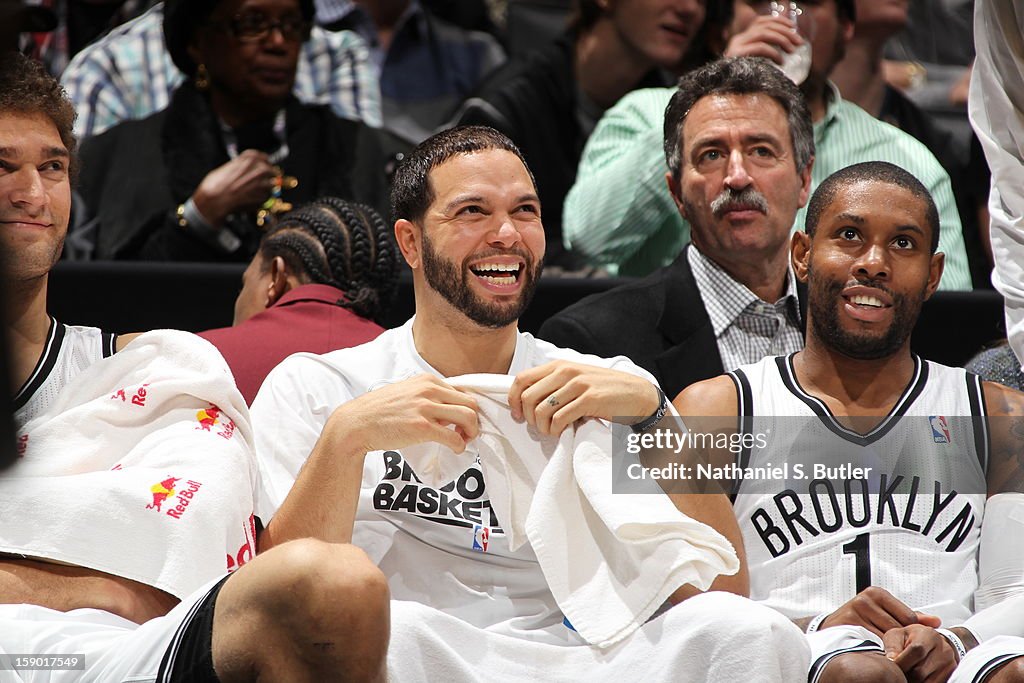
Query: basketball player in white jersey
pixel 882 560
pixel 276 617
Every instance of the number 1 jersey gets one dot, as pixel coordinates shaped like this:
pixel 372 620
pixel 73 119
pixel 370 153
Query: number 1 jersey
pixel 897 506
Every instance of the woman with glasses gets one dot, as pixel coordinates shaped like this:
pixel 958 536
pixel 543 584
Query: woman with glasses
pixel 204 178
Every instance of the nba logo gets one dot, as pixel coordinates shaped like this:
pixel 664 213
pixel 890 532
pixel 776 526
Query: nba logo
pixel 940 430
pixel 481 535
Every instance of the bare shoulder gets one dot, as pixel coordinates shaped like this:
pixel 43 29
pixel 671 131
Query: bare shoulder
pixel 124 339
pixel 715 397
pixel 1002 400
pixel 1005 408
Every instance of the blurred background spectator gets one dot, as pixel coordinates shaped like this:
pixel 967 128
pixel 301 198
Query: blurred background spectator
pixel 998 364
pixel 78 23
pixel 861 78
pixel 930 60
pixel 129 74
pixel 320 279
pixel 197 181
pixel 549 101
pixel 425 65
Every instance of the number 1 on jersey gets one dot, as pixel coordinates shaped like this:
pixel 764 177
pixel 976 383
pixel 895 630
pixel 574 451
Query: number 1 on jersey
pixel 860 548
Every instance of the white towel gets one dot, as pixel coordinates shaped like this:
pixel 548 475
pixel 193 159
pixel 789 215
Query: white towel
pixel 141 468
pixel 610 560
pixel 716 637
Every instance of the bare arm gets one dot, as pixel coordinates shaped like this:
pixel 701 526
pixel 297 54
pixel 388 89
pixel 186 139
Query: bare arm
pixel 714 398
pixel 1006 422
pixel 63 587
pixel 124 339
pixel 322 503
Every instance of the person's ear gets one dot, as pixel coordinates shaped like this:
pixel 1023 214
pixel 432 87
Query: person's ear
pixel 674 189
pixel 278 285
pixel 805 182
pixel 800 255
pixel 409 238
pixel 935 267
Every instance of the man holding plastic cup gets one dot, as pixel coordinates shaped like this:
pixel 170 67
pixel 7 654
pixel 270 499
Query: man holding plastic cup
pixel 620 215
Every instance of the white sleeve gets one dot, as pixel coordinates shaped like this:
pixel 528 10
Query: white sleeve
pixel 996 108
pixel 999 599
pixel 288 414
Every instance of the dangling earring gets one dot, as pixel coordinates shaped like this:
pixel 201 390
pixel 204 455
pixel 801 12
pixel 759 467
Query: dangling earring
pixel 202 78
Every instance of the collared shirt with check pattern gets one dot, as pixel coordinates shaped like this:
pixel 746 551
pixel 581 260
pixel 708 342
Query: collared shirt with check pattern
pixel 746 328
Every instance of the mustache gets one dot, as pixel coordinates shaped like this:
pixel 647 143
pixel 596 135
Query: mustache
pixel 874 284
pixel 731 200
pixel 529 260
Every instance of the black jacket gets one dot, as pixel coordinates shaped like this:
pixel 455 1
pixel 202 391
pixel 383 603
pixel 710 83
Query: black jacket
pixel 659 322
pixel 136 174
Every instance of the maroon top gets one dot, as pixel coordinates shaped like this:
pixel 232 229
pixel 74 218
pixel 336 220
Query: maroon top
pixel 304 319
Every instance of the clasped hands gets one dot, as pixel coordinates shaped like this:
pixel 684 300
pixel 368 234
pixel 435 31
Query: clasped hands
pixel 909 638
pixel 549 397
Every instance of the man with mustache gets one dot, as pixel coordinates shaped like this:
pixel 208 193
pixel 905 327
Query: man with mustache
pixel 882 565
pixel 617 214
pixel 337 434
pixel 739 146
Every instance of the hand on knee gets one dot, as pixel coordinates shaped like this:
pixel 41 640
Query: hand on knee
pixel 861 667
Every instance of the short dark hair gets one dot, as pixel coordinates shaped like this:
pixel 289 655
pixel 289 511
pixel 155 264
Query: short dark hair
pixel 182 18
pixel 584 14
pixel 343 244
pixel 709 42
pixel 27 88
pixel 847 10
pixel 871 171
pixel 738 76
pixel 411 192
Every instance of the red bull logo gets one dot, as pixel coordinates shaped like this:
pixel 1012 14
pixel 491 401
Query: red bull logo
pixel 183 498
pixel 247 549
pixel 208 418
pixel 212 419
pixel 138 396
pixel 161 492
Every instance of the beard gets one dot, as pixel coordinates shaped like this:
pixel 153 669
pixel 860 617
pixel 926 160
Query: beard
pixel 822 299
pixel 452 283
pixel 21 263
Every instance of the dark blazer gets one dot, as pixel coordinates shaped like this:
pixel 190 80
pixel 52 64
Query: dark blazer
pixel 659 322
pixel 138 172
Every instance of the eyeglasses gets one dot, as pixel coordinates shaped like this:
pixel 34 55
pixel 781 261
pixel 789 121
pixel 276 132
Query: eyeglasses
pixel 253 26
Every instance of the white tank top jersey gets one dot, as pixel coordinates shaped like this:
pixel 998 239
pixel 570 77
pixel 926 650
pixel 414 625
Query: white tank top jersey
pixel 69 350
pixel 911 525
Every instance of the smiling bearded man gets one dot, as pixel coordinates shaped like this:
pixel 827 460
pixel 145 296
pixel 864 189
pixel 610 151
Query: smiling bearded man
pixel 446 278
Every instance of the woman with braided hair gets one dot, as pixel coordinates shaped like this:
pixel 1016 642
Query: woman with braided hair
pixel 320 278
